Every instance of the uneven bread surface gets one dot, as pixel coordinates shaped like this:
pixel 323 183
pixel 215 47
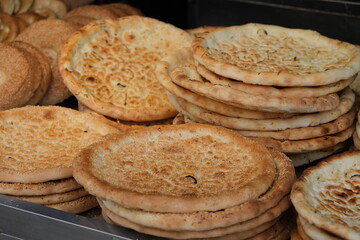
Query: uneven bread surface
pixel 176 168
pixel 109 65
pixel 274 55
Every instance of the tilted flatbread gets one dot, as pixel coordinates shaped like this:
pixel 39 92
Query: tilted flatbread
pixel 54 33
pixel 271 91
pixel 39 143
pixel 326 195
pixel 297 121
pixel 295 235
pixel 301 231
pixel 185 75
pixel 34 189
pixel 356 140
pixel 274 55
pixel 176 168
pixel 110 66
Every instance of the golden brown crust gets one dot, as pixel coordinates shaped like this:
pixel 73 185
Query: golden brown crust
pixel 10 28
pixel 44 66
pixel 201 221
pixel 186 76
pixel 322 195
pixel 76 206
pixel 56 6
pixel 164 189
pixel 34 189
pixel 111 84
pixel 40 142
pixel 18 77
pixel 302 120
pixel 55 33
pixel 56 197
pixel 92 11
pixel 312 144
pixel 270 91
pixel 163 220
pixel 126 8
pixel 273 55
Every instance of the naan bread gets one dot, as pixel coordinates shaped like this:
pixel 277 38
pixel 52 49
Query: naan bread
pixel 39 143
pixel 274 55
pixel 327 195
pixel 110 66
pixel 176 168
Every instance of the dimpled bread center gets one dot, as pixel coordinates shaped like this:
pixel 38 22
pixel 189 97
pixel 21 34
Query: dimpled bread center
pixel 263 51
pixel 185 167
pixel 120 70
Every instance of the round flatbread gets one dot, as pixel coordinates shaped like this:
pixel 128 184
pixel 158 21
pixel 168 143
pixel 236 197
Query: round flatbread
pixel 153 220
pixel 274 55
pixel 110 66
pixel 35 189
pixel 44 66
pixel 301 231
pixel 76 206
pixel 54 33
pixel 40 142
pixel 163 70
pixel 313 144
pixel 183 181
pixel 91 11
pixel 206 220
pixel 326 195
pixel 56 6
pixel 271 91
pixel 270 229
pixel 19 76
pixel 55 198
pixel 297 121
pixel 185 75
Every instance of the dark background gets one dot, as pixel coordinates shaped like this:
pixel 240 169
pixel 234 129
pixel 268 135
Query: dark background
pixel 333 18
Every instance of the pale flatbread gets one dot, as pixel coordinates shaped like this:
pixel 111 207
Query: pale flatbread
pixel 163 71
pixel 201 221
pixel 314 232
pixel 55 198
pixel 153 220
pixel 76 206
pixel 34 189
pixel 274 55
pixel 176 168
pixel 40 142
pixel 185 75
pixel 110 66
pixel 325 195
pixel 300 159
pixel 286 92
pixel 312 144
pixel 297 121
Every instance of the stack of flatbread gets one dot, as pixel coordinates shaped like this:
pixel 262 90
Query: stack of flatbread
pixel 326 198
pixel 110 67
pixel 37 148
pixel 193 181
pixel 286 88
